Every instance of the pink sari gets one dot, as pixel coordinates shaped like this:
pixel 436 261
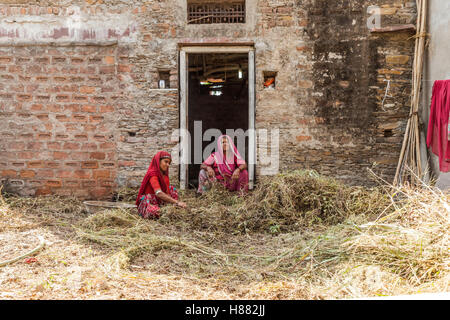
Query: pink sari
pixel 224 168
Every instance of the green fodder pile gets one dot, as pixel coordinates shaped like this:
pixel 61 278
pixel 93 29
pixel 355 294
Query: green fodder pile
pixel 286 202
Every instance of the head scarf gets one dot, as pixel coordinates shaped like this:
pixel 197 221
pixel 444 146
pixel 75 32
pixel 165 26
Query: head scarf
pixel 154 170
pixel 227 165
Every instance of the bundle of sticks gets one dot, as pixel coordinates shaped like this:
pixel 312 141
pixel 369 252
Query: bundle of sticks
pixel 410 166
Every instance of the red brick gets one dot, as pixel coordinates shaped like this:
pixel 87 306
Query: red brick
pixel 89 165
pixel 82 174
pixel 43 97
pixel 72 183
pixel 61 136
pixel 18 164
pixel 34 146
pixel 60 79
pixel 5 60
pixel 71 146
pixel 87 90
pixel 45 173
pixel 35 164
pixel 62 98
pixel 98 99
pixel 89 183
pixel 52 164
pixel 24 97
pixel 101 174
pixel 26 136
pixel 53 145
pixel 108 164
pixel 107 146
pixel 96 119
pixel 77 60
pixel 105 109
pixel 69 88
pixel 53 183
pixel 64 173
pixel 88 70
pixel 80 99
pixel 81 137
pixel 44 136
pixel 72 107
pixel 16 146
pixel 43 191
pixel 88 108
pixel 107 70
pixel 14 69
pixel 58 59
pixel 26 155
pixel 79 118
pixel 54 108
pixel 89 128
pixel 37 107
pixel 97 156
pixel 81 156
pixel 99 137
pixel 42 117
pixel 109 60
pixel 58 155
pixel 42 79
pixel 9 173
pixel 89 146
pixel 27 174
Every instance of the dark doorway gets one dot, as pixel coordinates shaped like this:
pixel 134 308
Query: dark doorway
pixel 218 97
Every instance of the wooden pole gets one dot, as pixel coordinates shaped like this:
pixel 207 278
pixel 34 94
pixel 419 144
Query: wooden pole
pixel 410 153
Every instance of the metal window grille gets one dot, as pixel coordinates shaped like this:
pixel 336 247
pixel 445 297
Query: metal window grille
pixel 210 12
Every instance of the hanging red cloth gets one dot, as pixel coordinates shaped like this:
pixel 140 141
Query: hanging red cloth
pixel 438 129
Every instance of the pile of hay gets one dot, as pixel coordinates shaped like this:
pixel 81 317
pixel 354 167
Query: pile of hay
pixel 283 203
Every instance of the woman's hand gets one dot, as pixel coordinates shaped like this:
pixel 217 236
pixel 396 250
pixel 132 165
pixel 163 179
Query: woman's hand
pixel 236 174
pixel 211 172
pixel 181 204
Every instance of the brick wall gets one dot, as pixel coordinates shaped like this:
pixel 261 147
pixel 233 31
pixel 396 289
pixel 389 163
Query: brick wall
pixel 59 127
pixel 78 87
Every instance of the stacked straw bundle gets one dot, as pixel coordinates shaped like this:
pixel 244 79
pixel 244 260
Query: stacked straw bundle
pixel 410 166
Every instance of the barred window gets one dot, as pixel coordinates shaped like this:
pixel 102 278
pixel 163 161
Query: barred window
pixel 208 12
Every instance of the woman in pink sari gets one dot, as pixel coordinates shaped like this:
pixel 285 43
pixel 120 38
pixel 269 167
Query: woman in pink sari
pixel 225 166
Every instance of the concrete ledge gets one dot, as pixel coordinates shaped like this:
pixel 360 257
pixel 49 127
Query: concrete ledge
pixel 402 27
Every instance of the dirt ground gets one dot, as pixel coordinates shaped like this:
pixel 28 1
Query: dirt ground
pixel 118 255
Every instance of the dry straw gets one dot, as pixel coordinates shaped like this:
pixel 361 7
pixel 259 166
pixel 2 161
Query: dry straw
pixel 296 228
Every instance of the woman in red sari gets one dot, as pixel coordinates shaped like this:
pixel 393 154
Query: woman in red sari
pixel 225 166
pixel 156 189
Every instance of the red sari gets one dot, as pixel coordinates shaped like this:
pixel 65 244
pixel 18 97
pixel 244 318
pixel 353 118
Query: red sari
pixel 154 180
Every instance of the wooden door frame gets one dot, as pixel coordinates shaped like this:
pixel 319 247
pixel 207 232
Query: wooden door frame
pixel 186 49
